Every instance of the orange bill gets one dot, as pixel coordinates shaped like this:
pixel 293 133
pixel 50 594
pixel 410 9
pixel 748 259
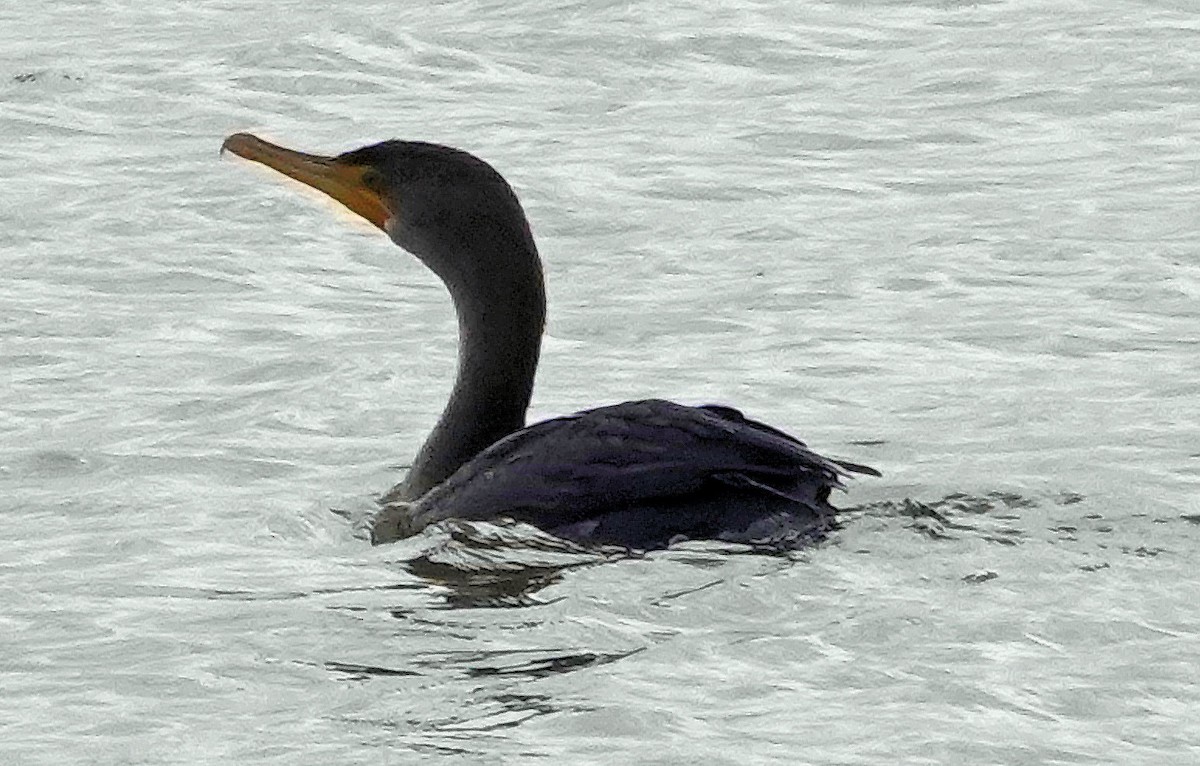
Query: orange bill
pixel 341 180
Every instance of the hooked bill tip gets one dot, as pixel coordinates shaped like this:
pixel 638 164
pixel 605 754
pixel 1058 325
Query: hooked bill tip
pixel 239 143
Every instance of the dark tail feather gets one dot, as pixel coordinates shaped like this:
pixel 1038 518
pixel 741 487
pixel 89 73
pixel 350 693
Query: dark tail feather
pixel 856 467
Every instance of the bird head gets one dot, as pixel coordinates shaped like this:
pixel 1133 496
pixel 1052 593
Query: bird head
pixel 445 206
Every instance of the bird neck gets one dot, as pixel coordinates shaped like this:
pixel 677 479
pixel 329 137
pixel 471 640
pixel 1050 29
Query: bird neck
pixel 501 315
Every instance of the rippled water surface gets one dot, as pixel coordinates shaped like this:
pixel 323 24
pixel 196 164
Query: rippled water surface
pixel 957 241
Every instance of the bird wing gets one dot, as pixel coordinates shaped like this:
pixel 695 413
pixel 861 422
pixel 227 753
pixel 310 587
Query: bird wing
pixel 594 461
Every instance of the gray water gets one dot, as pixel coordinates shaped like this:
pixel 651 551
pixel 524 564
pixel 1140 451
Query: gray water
pixel 956 241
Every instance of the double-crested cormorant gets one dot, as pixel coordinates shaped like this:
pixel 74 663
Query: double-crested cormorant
pixel 640 474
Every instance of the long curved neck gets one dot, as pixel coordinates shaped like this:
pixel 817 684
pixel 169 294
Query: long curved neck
pixel 501 314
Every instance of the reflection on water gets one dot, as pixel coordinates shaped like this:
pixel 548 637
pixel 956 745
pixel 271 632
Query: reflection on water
pixel 499 564
pixel 505 563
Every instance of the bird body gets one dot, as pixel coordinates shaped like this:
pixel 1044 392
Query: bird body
pixel 642 474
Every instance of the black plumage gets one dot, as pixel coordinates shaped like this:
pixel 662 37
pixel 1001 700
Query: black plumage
pixel 642 474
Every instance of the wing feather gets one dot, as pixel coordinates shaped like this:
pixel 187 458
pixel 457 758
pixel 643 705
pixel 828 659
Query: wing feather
pixel 568 469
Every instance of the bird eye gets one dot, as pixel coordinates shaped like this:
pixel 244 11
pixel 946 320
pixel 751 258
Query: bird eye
pixel 373 180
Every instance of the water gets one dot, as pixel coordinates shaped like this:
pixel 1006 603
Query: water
pixel 955 241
